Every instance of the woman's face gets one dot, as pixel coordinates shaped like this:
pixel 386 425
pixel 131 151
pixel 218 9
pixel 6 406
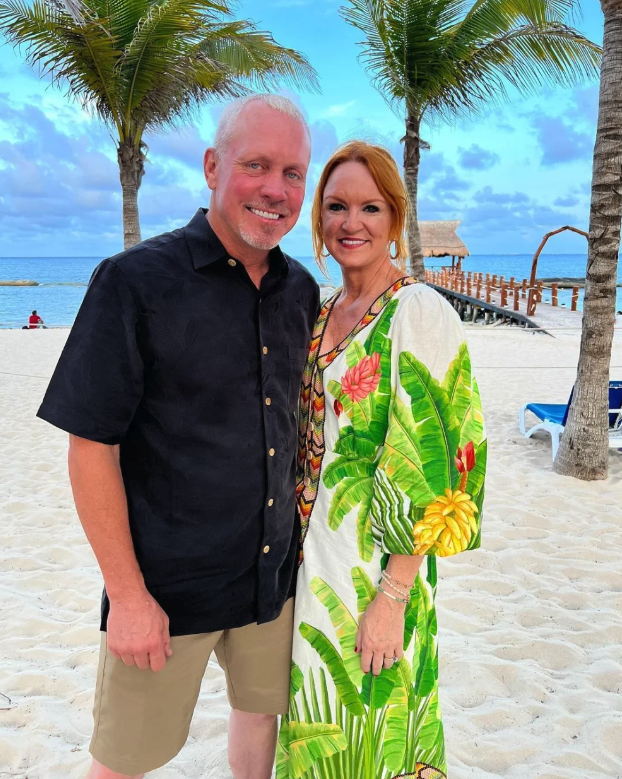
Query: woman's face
pixel 356 219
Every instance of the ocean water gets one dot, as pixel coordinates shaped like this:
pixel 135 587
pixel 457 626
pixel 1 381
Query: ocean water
pixel 63 281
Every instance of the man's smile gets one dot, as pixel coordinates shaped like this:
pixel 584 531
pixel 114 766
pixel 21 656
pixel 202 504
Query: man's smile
pixel 272 216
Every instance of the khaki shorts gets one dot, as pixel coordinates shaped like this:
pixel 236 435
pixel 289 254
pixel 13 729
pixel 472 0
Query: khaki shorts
pixel 142 717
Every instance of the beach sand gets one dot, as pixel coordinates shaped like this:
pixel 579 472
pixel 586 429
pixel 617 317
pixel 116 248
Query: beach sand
pixel 530 625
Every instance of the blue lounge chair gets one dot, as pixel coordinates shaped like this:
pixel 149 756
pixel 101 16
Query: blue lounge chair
pixel 553 416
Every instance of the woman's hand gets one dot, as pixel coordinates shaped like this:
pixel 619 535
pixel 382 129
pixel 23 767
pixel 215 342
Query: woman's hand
pixel 380 637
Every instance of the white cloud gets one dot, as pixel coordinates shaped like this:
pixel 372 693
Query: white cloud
pixel 339 109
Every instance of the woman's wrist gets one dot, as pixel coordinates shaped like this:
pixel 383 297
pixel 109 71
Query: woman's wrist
pixel 392 581
pixel 400 574
pixel 392 587
pixel 398 603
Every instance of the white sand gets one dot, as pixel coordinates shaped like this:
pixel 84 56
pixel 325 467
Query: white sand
pixel 530 626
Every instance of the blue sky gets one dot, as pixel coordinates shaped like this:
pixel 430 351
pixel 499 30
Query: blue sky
pixel 512 174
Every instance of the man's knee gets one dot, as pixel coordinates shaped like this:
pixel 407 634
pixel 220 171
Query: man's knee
pixel 99 771
pixel 254 719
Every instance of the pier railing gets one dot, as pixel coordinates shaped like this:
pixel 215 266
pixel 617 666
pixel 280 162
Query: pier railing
pixel 494 288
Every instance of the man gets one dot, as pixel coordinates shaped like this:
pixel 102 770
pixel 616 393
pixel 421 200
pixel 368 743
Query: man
pixel 179 388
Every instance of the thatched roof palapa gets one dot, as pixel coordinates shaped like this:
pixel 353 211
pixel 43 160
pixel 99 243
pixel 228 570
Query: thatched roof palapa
pixel 439 239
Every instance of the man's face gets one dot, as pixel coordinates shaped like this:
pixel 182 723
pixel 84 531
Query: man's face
pixel 258 182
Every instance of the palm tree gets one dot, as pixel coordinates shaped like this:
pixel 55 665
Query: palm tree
pixel 145 65
pixel 584 450
pixel 438 59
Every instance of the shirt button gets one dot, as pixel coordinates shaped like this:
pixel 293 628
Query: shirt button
pixel 271 502
pixel 309 455
pixel 233 263
pixel 271 452
pixel 266 549
pixel 265 350
pixel 306 481
pixel 268 401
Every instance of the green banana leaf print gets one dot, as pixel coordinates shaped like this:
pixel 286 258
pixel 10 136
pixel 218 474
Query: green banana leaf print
pixel 436 458
pixel 309 743
pixel 367 719
pixel 464 397
pixel 389 447
pixel 401 459
pixel 436 431
pixel 365 590
pixel 358 446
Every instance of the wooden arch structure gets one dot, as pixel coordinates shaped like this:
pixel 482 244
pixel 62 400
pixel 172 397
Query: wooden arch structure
pixel 531 300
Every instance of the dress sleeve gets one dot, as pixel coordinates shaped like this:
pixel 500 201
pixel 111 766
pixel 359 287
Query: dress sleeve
pixel 98 381
pixel 429 482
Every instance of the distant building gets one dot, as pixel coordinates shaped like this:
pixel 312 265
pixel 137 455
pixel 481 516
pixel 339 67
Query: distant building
pixel 440 239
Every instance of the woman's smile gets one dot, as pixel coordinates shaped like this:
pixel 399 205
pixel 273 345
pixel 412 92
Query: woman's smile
pixel 352 243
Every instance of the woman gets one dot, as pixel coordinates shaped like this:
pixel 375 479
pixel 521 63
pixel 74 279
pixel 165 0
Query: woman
pixel 391 471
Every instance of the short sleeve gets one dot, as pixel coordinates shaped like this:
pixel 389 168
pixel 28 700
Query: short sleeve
pixel 429 482
pixel 98 381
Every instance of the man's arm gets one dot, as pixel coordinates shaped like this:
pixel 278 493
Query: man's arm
pixel 137 626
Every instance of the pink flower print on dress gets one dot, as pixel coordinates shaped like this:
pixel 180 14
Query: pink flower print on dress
pixel 362 378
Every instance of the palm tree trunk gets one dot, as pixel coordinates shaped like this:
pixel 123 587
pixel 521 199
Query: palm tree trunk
pixel 131 170
pixel 412 158
pixel 584 451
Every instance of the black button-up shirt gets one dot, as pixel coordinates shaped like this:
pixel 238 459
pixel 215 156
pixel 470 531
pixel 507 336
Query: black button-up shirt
pixel 179 358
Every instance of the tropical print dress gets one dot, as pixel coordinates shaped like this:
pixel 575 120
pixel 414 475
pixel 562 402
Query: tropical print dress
pixel 391 461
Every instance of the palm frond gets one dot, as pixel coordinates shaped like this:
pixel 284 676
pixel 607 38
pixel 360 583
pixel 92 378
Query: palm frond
pixel 167 105
pixel 149 63
pixel 183 53
pixel 528 58
pixel 531 57
pixel 152 55
pixel 121 17
pixel 503 14
pixel 81 56
pixel 405 46
pixel 450 57
pixel 254 55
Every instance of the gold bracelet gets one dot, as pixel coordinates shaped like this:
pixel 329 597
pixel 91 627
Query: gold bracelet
pixel 393 583
pixel 388 594
pixel 393 579
pixel 394 588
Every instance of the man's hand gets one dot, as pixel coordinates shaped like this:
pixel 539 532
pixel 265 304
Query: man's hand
pixel 380 639
pixel 138 632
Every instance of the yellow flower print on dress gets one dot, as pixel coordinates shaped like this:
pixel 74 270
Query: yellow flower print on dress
pixel 449 521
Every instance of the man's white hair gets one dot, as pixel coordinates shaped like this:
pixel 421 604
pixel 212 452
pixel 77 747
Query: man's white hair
pixel 231 114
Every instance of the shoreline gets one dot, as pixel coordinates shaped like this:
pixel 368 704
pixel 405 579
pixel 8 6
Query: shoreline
pixel 568 282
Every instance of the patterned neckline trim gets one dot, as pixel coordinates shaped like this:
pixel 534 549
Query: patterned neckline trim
pixel 372 312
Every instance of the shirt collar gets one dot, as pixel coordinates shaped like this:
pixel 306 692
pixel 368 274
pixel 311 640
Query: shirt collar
pixel 206 248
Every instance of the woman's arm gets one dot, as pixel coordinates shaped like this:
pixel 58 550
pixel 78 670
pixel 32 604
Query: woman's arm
pixel 428 485
pixel 381 629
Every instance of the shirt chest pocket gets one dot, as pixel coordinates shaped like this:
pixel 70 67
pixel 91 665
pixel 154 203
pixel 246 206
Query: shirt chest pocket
pixel 297 358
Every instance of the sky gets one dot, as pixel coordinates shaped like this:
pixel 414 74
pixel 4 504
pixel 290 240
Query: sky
pixel 511 174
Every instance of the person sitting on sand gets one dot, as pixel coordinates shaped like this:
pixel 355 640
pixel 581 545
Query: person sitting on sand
pixel 179 387
pixel 34 321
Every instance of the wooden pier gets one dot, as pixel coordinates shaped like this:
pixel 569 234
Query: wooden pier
pixel 492 299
